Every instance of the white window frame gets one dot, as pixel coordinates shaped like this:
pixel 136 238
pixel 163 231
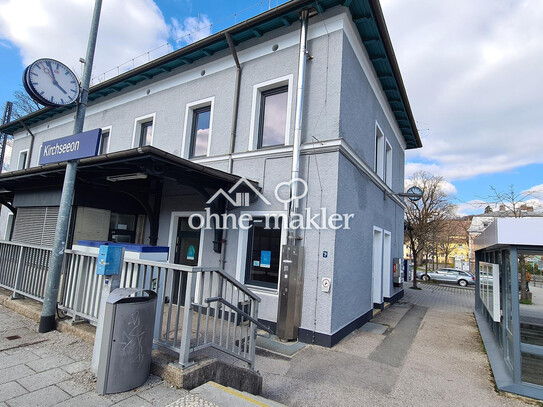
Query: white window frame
pixel 26 163
pixel 255 108
pixel 243 234
pixel 379 151
pixel 187 127
pixel 388 163
pixel 106 129
pixel 387 264
pixel 137 128
pixel 174 221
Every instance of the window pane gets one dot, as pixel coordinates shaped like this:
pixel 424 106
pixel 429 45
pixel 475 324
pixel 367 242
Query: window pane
pixel 273 117
pixel 104 143
pixel 146 131
pixel 263 253
pixel 200 131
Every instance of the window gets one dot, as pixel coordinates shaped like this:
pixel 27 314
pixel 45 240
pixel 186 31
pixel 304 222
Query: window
pixel 143 131
pixel 271 113
pixel 104 143
pixel 198 128
pixel 263 252
pixel 146 133
pixel 273 117
pixel 379 151
pixel 22 163
pixel 388 164
pixel 199 138
pixel 122 228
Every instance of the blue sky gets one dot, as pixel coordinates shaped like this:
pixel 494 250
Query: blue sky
pixel 471 70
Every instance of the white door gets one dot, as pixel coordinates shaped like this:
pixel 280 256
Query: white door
pixel 377 275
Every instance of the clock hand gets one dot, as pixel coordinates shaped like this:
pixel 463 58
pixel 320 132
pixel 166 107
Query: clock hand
pixel 60 87
pixel 48 72
pixel 51 70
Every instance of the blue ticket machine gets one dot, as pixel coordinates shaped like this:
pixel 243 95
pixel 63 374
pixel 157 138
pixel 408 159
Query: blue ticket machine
pixel 110 259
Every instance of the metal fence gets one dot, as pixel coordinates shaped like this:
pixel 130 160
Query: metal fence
pixel 23 269
pixel 197 308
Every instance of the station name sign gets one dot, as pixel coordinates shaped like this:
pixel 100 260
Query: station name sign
pixel 80 145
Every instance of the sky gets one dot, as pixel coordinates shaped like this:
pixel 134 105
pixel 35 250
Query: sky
pixel 472 70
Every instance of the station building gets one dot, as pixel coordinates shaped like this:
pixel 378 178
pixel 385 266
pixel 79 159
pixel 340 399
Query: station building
pixel 208 130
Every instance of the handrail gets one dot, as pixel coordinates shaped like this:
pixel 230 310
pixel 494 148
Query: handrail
pixel 181 267
pixel 32 246
pixel 241 312
pixel 232 280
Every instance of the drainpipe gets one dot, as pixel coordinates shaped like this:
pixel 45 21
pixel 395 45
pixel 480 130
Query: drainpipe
pixel 236 100
pixel 31 148
pixel 293 207
pixel 291 282
pixel 235 110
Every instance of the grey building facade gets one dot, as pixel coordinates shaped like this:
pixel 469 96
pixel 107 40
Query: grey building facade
pixel 357 125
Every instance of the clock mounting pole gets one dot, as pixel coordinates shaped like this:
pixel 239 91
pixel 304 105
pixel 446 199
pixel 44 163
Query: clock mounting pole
pixel 47 319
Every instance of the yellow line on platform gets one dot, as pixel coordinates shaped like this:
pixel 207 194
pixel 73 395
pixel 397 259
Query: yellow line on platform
pixel 238 394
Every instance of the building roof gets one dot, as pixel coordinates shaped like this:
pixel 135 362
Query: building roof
pixel 367 16
pixel 144 164
pixel 511 232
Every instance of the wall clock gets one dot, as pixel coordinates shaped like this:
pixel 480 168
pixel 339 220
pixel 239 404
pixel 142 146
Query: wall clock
pixel 51 83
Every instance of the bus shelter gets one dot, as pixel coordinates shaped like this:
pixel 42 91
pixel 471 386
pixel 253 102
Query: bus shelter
pixel 509 302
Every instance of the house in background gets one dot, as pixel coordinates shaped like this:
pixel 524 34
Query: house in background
pixel 180 128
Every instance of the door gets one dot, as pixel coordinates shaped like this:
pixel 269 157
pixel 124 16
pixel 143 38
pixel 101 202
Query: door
pixel 187 252
pixel 377 269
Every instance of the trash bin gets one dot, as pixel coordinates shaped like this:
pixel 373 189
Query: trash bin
pixel 127 340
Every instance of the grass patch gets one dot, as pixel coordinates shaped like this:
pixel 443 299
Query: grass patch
pixel 415 288
pixel 525 302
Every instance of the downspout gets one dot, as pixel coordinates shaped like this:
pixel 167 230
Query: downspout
pixel 31 143
pixel 236 101
pixel 291 280
pixel 235 110
pixel 295 171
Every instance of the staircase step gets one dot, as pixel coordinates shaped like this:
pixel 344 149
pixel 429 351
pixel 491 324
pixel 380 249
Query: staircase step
pixel 223 396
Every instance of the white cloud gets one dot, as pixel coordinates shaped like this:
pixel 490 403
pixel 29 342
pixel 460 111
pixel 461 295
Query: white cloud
pixel 191 29
pixel 472 72
pixel 60 30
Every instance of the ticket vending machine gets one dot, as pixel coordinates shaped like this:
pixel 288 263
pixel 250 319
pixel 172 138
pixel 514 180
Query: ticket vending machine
pixel 397 272
pixel 291 281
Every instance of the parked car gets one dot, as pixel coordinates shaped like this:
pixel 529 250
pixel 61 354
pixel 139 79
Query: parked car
pixel 448 275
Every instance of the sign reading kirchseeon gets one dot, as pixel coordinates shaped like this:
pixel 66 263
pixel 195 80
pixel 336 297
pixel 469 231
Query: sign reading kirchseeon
pixel 73 147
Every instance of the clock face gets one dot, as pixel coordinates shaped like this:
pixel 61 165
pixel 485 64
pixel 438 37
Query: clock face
pixel 51 83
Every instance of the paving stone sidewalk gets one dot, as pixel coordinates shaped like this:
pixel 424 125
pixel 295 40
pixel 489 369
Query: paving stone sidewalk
pixel 52 369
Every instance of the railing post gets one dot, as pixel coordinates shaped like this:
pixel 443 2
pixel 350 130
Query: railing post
pixel 254 306
pixel 186 334
pixel 18 275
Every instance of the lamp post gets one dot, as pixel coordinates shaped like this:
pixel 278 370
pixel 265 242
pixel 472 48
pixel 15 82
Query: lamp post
pixel 47 319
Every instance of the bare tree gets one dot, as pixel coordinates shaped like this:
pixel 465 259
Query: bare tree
pixel 425 217
pixel 23 104
pixel 514 203
pixel 452 233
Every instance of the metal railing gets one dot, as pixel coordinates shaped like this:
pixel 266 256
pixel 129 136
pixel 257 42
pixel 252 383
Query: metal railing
pixel 197 308
pixel 23 269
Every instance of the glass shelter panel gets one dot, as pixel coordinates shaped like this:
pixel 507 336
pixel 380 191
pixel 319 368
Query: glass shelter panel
pixel 531 315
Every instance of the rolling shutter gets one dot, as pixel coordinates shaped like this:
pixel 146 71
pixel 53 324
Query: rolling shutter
pixel 35 225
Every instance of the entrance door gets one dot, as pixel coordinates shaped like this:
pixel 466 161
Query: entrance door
pixel 377 272
pixel 187 251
